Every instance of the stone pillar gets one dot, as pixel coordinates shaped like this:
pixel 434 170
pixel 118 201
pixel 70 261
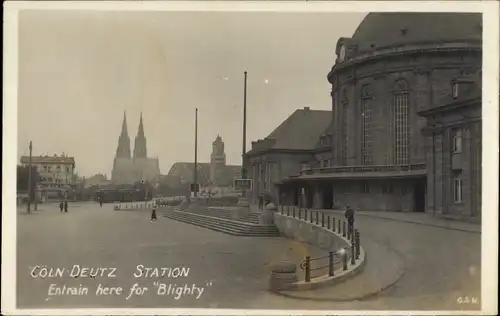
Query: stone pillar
pixel 430 153
pixel 283 276
pixel 438 174
pixel 466 173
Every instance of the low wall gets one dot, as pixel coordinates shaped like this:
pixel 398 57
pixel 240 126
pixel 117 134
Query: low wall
pixel 310 233
pixel 323 237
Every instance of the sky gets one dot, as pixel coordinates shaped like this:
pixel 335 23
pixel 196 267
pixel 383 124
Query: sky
pixel 80 70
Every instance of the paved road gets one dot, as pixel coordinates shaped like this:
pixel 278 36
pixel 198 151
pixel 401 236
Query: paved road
pixel 232 270
pixel 440 265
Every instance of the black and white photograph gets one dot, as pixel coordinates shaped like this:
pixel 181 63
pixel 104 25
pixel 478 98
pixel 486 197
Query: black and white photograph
pixel 250 157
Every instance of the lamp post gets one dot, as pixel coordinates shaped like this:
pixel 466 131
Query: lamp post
pixel 244 145
pixel 243 170
pixel 195 171
pixel 29 178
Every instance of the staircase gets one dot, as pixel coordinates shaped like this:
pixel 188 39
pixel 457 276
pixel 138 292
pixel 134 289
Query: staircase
pixel 224 225
pixel 252 218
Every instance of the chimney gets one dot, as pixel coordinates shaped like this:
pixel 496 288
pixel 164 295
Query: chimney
pixel 307 108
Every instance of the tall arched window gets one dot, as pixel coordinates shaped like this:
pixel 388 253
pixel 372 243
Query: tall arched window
pixel 367 125
pixel 344 127
pixel 400 119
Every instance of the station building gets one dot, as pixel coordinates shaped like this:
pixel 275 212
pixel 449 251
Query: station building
pixel 404 133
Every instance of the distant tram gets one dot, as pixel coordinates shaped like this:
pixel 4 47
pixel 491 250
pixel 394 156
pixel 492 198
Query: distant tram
pixel 122 195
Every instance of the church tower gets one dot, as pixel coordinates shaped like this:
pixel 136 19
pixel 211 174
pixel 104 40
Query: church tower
pixel 123 149
pixel 217 161
pixel 140 149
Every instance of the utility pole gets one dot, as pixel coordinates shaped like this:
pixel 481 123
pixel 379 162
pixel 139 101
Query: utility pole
pixel 243 170
pixel 195 153
pixel 29 178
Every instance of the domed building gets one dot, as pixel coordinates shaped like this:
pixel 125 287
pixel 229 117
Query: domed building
pixel 406 119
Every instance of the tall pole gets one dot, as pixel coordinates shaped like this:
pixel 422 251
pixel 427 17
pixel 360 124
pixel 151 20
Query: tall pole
pixel 243 170
pixel 29 179
pixel 195 153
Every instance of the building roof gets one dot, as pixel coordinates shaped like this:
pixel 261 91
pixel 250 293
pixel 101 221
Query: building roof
pixel 386 29
pixel 49 159
pixel 300 131
pixel 186 171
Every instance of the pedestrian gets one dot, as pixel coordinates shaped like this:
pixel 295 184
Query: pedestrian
pixel 61 206
pixel 349 215
pixel 153 215
pixel 100 202
pixel 261 202
pixel 66 206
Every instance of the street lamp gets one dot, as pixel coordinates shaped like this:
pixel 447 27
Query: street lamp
pixel 29 178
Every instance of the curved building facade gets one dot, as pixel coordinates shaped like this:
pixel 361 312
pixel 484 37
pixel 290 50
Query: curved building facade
pixel 406 119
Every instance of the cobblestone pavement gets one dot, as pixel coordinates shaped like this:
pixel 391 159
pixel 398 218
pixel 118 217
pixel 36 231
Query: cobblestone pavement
pixel 440 265
pixel 232 270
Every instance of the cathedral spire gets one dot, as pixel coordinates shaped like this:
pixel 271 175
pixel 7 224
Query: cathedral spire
pixel 123 149
pixel 140 148
pixel 140 132
pixel 124 125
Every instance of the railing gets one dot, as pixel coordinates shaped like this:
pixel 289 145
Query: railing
pixel 337 226
pixel 359 169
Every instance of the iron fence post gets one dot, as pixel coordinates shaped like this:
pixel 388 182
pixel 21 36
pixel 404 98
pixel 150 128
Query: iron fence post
pixel 330 263
pixel 353 255
pixel 357 244
pixel 308 268
pixel 344 259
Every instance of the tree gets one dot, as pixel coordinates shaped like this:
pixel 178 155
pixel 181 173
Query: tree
pixel 23 179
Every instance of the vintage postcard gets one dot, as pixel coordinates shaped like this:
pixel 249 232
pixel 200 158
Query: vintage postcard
pixel 255 158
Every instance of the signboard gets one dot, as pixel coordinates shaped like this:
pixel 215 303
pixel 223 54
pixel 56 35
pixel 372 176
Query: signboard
pixel 194 187
pixel 243 184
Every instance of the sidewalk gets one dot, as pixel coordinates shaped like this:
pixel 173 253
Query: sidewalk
pixel 417 218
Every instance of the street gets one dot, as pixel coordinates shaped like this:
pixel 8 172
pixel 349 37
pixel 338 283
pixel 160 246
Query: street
pixel 230 270
pixel 215 270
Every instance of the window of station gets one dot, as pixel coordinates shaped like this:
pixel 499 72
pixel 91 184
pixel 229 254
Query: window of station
pixel 457 141
pixel 400 118
pixel 455 90
pixel 367 125
pixel 457 186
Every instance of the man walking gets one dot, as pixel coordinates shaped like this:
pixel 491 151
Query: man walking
pixel 61 206
pixel 349 215
pixel 261 202
pixel 153 215
pixel 66 206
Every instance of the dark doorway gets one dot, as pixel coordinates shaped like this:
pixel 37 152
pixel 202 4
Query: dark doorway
pixel 295 201
pixel 327 194
pixel 309 197
pixel 419 196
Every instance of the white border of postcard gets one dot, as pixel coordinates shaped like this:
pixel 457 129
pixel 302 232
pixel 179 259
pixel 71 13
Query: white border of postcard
pixel 490 10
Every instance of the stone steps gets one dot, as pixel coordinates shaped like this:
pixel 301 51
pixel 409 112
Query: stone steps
pixel 231 227
pixel 252 218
